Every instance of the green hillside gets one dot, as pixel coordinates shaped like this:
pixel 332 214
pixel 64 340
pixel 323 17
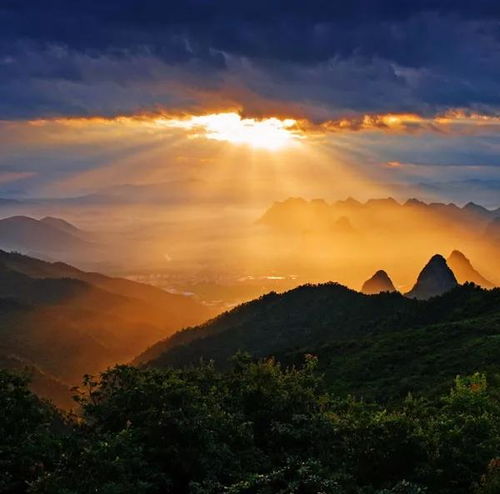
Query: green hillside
pixel 386 367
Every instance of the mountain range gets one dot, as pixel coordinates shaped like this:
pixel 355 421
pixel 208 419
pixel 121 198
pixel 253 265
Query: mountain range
pixel 299 213
pixel 48 236
pixel 65 322
pixel 311 318
pixel 437 277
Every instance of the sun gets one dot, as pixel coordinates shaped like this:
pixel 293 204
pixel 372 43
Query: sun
pixel 268 133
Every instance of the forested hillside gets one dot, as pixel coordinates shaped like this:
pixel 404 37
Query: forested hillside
pixel 257 428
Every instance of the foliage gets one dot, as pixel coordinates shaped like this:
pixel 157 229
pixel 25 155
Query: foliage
pixel 256 428
pixel 311 317
pixel 28 445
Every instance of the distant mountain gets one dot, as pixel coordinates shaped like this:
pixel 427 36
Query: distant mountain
pixel 66 322
pixel 376 215
pixel 435 279
pixel 379 282
pixel 344 226
pixel 310 317
pixel 62 225
pixel 46 235
pixel 492 231
pixel 464 271
pixel 484 191
pixel 478 212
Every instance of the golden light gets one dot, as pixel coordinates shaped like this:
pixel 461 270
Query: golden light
pixel 268 133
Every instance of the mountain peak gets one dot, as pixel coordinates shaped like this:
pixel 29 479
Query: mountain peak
pixel 464 271
pixel 473 205
pixel 60 224
pixel 414 202
pixel 386 201
pixel 435 279
pixel 379 282
pixel 457 255
pixel 349 202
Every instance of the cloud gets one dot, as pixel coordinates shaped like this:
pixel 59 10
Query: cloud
pixel 319 60
pixel 14 176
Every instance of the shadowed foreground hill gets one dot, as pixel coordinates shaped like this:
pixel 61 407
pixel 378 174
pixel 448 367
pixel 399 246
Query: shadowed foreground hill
pixel 311 317
pixel 275 322
pixel 419 359
pixel 257 428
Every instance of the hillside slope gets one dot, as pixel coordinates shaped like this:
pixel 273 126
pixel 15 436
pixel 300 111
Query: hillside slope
pixel 64 322
pixel 386 367
pixel 46 235
pixel 314 315
pixel 178 311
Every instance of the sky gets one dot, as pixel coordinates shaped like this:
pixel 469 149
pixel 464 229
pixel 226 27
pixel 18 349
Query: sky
pixel 264 99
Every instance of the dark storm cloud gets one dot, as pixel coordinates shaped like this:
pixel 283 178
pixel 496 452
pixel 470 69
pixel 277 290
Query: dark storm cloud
pixel 324 58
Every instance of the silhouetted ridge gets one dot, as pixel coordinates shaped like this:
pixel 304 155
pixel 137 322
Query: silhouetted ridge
pixel 305 319
pixel 464 271
pixel 435 279
pixel 274 321
pixel 379 282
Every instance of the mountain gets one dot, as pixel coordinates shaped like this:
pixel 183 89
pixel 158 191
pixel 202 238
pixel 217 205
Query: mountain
pixel 492 231
pixel 274 322
pixel 46 235
pixel 325 237
pixel 41 383
pixel 298 213
pixel 65 322
pixel 379 282
pixel 62 225
pixel 312 316
pixel 478 212
pixel 423 359
pixel 178 310
pixel 435 279
pixel 464 271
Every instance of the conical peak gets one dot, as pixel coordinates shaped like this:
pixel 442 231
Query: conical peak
pixel 436 278
pixel 465 271
pixel 437 259
pixel 457 255
pixel 437 266
pixel 379 282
